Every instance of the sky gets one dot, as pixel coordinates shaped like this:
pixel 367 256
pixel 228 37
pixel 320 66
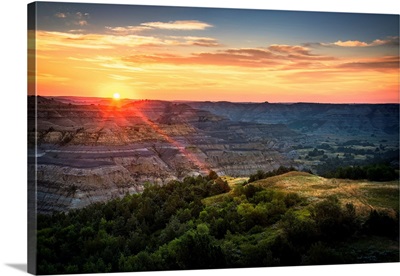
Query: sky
pixel 204 54
pixel 14 88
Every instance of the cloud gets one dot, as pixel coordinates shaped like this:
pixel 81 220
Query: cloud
pixel 119 77
pixel 192 41
pixel 314 76
pixel 232 57
pixel 127 29
pixel 383 63
pixel 350 43
pixel 120 66
pixel 50 77
pixel 78 18
pixel 178 25
pixel 60 15
pixel 82 15
pixel 275 57
pixel 389 41
pixel 238 57
pixel 76 31
pixel 77 39
pixel 290 49
pixel 348 72
pixel 81 18
pixel 301 65
pixel 296 52
pixel 55 40
pixel 201 41
pixel 94 59
pixel 171 25
pixel 81 22
pixel 246 53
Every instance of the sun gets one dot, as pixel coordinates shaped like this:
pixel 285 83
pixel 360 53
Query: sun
pixel 116 96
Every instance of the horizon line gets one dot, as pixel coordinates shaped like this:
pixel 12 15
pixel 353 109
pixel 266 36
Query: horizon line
pixel 220 101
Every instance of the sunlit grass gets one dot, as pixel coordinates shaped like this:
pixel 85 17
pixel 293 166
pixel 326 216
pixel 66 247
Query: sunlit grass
pixel 384 197
pixel 364 195
pixel 233 181
pixel 214 199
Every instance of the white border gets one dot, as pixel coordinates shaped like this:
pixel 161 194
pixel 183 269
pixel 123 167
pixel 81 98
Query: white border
pixel 13 128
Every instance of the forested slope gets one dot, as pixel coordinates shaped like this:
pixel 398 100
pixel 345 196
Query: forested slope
pixel 202 223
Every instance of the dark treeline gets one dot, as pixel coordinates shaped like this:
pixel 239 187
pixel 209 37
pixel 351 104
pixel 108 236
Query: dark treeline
pixel 376 172
pixel 331 164
pixel 260 174
pixel 198 223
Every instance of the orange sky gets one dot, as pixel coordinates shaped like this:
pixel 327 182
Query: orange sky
pixel 185 60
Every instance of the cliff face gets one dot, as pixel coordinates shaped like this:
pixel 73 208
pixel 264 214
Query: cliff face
pixel 89 153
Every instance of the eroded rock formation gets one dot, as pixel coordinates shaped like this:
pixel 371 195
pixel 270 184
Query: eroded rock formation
pixel 93 152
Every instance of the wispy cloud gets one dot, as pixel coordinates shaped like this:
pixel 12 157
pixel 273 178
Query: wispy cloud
pixel 382 63
pixel 77 39
pixel 276 56
pixel 377 42
pixel 350 43
pixel 119 77
pixel 273 57
pixel 178 25
pixel 60 15
pixel 76 31
pixel 93 59
pixel 51 77
pixel 296 52
pixel 127 29
pixel 56 40
pixel 290 49
pixel 81 18
pixel 201 41
pixel 81 14
pixel 78 18
pixel 81 22
pixel 192 41
pixel 389 41
pixel 171 25
pixel 108 63
pixel 230 57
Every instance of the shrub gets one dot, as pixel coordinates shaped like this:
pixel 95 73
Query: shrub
pixel 382 224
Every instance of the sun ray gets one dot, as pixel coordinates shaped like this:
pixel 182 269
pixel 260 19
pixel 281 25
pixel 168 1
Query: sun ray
pixel 181 148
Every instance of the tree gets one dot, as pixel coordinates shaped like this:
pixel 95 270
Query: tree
pixel 334 222
pixel 382 224
pixel 196 249
pixel 220 186
pixel 299 232
pixel 321 254
pixel 212 175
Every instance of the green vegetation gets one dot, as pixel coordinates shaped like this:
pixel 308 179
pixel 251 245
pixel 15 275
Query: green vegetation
pixel 262 175
pixel 315 153
pixel 380 172
pixel 201 223
pixel 383 197
pixel 327 154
